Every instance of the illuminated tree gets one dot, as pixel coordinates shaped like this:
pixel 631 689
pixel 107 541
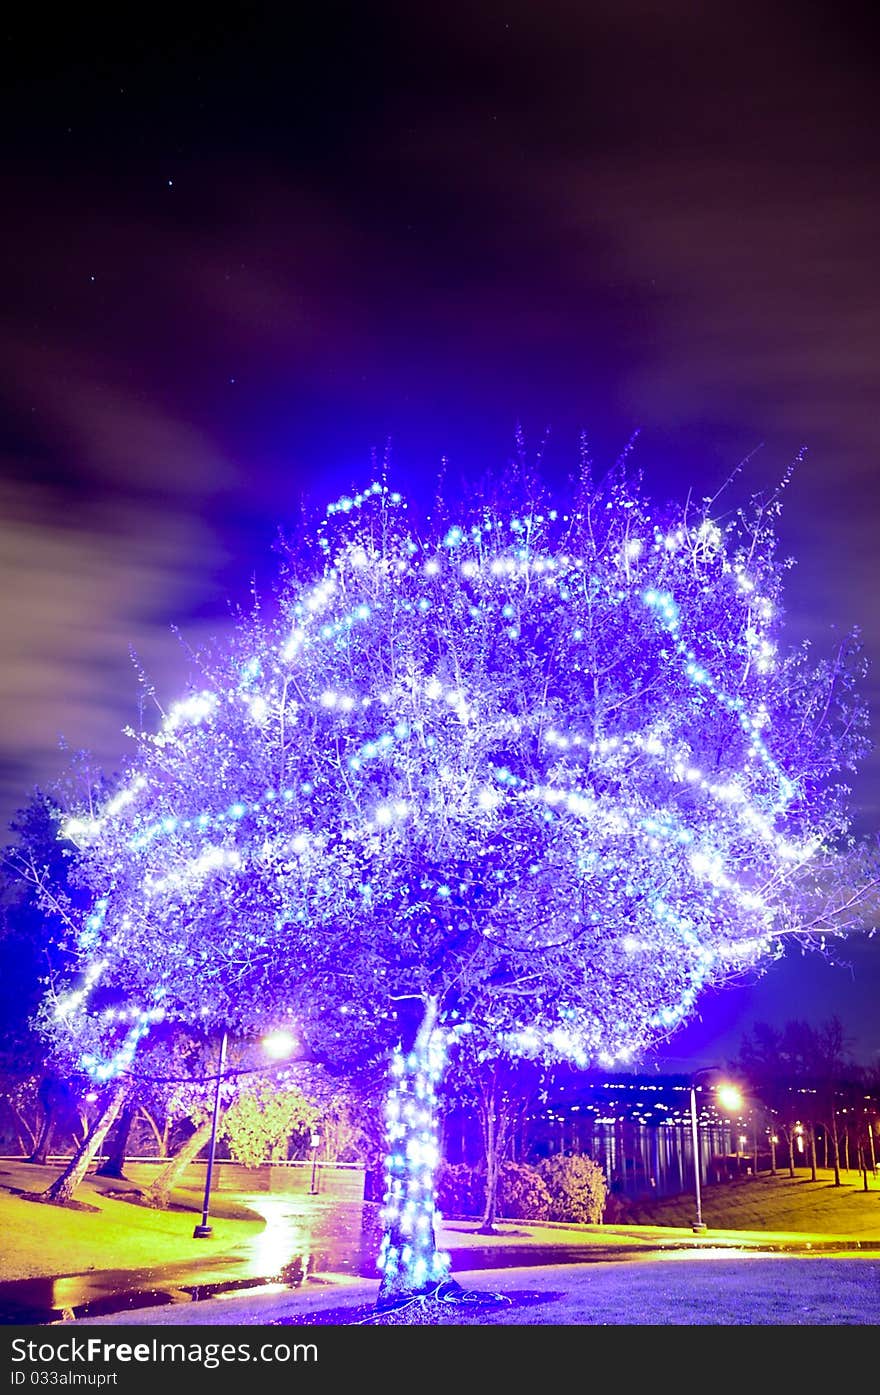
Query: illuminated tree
pixel 541 767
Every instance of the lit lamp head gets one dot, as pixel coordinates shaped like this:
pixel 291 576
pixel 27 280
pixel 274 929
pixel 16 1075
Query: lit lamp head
pixel 279 1044
pixel 729 1097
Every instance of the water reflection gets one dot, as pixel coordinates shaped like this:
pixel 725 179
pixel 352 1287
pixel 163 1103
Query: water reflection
pixel 303 1236
pixel 309 1235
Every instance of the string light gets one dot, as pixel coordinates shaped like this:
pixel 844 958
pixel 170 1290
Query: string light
pixel 408 1258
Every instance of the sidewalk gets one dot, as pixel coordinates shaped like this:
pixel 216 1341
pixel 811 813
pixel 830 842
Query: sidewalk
pixel 688 1285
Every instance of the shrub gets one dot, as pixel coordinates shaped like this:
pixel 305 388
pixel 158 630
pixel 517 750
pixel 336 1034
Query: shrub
pixel 458 1190
pixel 577 1188
pixel 619 1210
pixel 522 1193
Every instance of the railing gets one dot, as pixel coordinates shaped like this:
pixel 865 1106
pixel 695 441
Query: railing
pixel 154 1158
pixel 341 1180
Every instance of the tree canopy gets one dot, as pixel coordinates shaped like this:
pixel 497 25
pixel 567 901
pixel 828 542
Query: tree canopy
pixel 545 764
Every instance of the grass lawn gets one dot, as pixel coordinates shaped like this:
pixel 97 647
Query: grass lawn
pixel 779 1203
pixel 42 1241
pixel 50 1241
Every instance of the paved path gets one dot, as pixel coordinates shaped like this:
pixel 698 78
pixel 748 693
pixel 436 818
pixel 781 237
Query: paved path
pixel 709 1288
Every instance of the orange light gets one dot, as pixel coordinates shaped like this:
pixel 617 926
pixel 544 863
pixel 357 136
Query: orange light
pixel 729 1097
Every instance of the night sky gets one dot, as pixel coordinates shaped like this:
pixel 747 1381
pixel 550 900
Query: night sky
pixel 239 259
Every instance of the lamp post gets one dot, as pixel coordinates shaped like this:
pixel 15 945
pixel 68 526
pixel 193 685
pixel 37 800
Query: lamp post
pixel 203 1230
pixel 730 1098
pixel 699 1225
pixel 316 1143
pixel 277 1044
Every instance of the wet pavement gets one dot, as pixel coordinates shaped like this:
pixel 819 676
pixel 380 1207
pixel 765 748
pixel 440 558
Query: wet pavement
pixel 316 1242
pixel 302 1236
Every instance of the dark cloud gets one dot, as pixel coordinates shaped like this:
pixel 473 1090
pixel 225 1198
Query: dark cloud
pixel 240 257
pixel 79 597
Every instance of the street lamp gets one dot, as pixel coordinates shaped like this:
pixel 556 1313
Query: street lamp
pixel 277 1044
pixel 730 1098
pixel 203 1230
pixel 316 1143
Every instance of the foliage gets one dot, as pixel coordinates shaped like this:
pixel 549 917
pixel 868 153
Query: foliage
pixel 522 1193
pixel 458 1189
pixel 41 913
pixel 540 766
pixel 802 1074
pixel 19 1107
pixel 260 1121
pixel 578 1188
pixel 548 766
pixel 496 1088
pixel 349 1124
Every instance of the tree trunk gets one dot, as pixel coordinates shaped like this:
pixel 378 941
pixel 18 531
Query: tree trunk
pixel 490 1204
pixel 161 1137
pixel 115 1160
pixel 409 1259
pixel 40 1155
pixel 836 1150
pixel 493 1163
pixel 26 1136
pixel 159 1192
pixel 811 1138
pixel 863 1165
pixel 63 1188
pixel 492 1148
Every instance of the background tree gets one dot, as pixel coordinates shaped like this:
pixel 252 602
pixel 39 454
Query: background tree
pixel 499 1089
pixel 540 766
pixel 260 1121
pixel 773 1076
pixel 832 1067
pixel 40 915
pixel 804 1074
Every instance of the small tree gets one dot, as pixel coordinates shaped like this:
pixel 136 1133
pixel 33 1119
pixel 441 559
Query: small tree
pixel 499 1090
pixel 258 1124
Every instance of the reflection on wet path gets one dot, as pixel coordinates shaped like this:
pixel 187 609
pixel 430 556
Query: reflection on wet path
pixel 303 1235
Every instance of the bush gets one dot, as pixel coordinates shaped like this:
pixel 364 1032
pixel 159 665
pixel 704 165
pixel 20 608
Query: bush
pixel 619 1210
pixel 577 1188
pixel 522 1193
pixel 458 1190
